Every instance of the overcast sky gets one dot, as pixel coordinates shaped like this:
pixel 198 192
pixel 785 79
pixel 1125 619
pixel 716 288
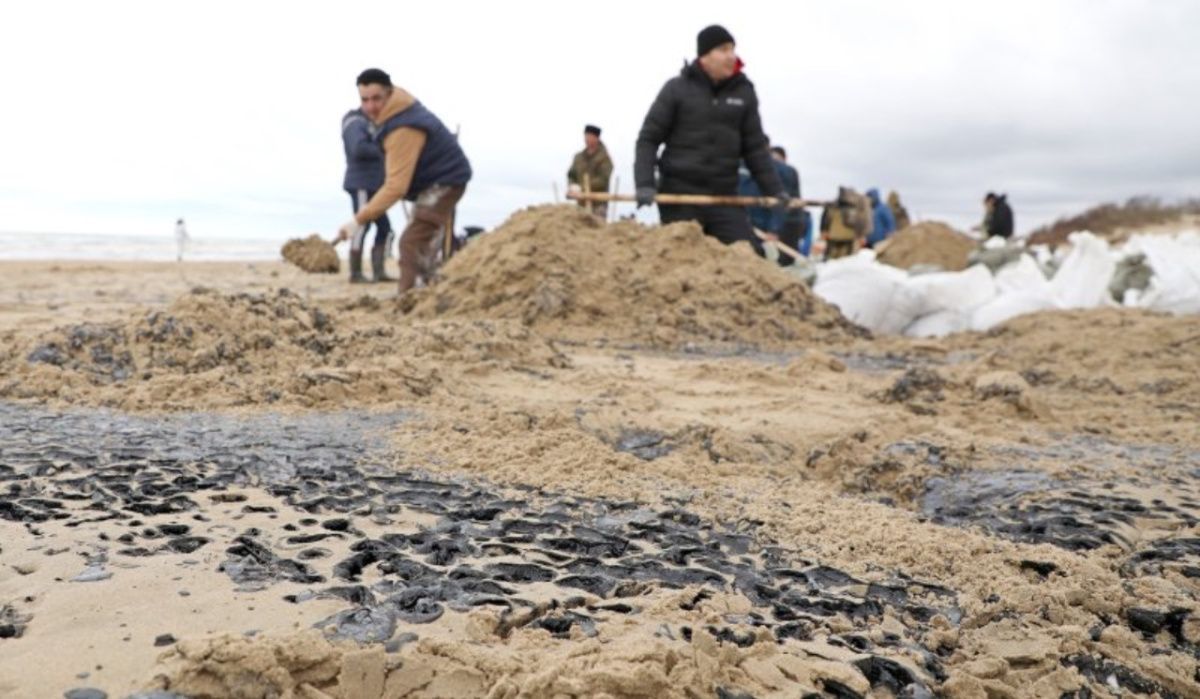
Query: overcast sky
pixel 119 117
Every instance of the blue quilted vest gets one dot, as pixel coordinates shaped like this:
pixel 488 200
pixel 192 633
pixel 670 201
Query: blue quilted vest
pixel 442 161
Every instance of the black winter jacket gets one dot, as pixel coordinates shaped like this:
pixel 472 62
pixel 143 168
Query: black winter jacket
pixel 707 128
pixel 1001 221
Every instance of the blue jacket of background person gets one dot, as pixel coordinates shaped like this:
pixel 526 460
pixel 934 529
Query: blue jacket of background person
pixel 766 219
pixel 884 223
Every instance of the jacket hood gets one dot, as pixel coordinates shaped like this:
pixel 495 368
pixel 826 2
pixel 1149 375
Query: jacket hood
pixel 873 195
pixel 398 102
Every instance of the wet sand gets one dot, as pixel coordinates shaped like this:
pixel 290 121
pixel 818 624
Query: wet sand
pixel 686 511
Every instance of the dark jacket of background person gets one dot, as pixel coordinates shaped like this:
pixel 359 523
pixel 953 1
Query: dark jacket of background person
pixel 791 186
pixel 364 157
pixel 1000 222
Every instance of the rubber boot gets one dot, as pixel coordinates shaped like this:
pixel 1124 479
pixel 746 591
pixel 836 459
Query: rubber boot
pixel 377 257
pixel 356 275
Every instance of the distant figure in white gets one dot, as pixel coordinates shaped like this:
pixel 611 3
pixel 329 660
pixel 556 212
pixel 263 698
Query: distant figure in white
pixel 181 238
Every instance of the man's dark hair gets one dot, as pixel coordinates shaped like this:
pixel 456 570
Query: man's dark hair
pixel 990 196
pixel 374 76
pixel 778 150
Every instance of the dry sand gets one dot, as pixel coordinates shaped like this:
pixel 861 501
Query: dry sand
pixel 1045 473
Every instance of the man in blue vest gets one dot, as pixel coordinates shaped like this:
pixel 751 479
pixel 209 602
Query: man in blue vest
pixel 423 163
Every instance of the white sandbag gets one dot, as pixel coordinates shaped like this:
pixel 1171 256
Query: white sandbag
pixel 948 300
pixel 939 324
pixel 1023 275
pixel 1042 253
pixel 1010 305
pixel 1175 285
pixel 954 291
pixel 874 295
pixel 1082 279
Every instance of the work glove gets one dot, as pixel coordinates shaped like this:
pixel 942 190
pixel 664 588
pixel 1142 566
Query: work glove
pixel 347 231
pixel 645 196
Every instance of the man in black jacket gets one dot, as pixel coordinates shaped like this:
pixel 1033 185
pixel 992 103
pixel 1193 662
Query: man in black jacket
pixel 707 117
pixel 998 220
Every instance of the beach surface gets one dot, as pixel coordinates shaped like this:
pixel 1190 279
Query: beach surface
pixel 590 461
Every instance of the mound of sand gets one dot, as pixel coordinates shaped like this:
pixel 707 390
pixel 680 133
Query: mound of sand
pixel 560 271
pixel 219 350
pixel 311 254
pixel 928 243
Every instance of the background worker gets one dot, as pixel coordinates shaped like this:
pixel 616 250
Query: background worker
pixel 591 170
pixel 364 176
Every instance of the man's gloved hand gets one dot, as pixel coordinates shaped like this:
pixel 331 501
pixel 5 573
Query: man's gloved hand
pixel 645 196
pixel 347 231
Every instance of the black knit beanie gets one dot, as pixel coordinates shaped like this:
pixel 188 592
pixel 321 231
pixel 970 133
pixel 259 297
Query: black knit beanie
pixel 711 37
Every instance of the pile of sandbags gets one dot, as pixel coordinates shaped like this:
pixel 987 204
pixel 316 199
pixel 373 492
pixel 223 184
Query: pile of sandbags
pixel 1159 273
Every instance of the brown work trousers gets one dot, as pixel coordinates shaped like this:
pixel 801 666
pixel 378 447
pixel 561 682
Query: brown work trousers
pixel 420 243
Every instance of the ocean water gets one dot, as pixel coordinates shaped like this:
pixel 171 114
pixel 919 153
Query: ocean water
pixel 74 246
